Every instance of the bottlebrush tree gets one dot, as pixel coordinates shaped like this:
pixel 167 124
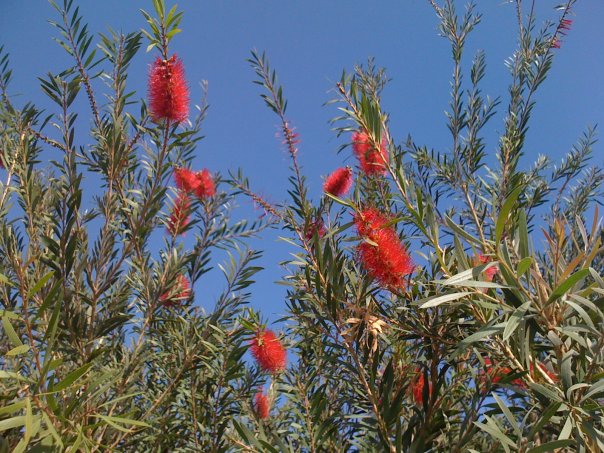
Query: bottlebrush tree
pixel 431 305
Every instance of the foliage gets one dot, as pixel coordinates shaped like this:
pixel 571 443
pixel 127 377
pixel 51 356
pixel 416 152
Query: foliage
pixel 493 343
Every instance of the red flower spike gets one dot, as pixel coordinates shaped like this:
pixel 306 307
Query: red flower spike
pixel 565 24
pixel 383 256
pixel 185 179
pixel 339 182
pixel 179 218
pixel 417 388
pixel 315 227
pixel 372 161
pixel 180 292
pixel 538 376
pixel 168 90
pixel 556 43
pixel 491 271
pixel 268 351
pixel 496 373
pixel 262 405
pixel 204 184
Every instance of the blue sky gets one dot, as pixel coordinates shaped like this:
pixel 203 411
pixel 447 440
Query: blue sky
pixel 309 43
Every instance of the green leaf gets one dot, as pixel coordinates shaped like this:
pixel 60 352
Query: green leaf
pixel 10 332
pixel 505 212
pixel 435 301
pixel 567 284
pixel 514 320
pixel 523 239
pixel 18 350
pixel 552 446
pixel 523 265
pixel 12 423
pixel 38 286
pixel 496 433
pixel 117 422
pixel 70 378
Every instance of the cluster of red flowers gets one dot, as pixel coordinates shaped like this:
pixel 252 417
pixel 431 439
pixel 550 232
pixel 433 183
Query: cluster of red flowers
pixel 199 183
pixel 417 388
pixel 382 253
pixel 168 90
pixel 496 373
pixel 339 182
pixel 317 226
pixel 180 292
pixel 188 182
pixel 563 28
pixel 372 160
pixel 491 271
pixel 262 405
pixel 268 351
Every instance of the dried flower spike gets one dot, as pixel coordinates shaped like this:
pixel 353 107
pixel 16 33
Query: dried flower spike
pixel 339 182
pixel 168 90
pixel 382 254
pixel 262 405
pixel 179 218
pixel 180 292
pixel 372 161
pixel 268 351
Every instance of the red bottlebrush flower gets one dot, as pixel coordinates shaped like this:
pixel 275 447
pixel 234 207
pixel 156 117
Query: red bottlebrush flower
pixel 315 227
pixel 383 255
pixel 491 271
pixel 262 405
pixel 372 161
pixel 200 183
pixel 179 218
pixel 268 351
pixel 565 24
pixel 181 291
pixel 205 186
pixel 417 388
pixel 538 376
pixel 168 90
pixel 496 373
pixel 339 182
pixel 186 180
pixel 556 43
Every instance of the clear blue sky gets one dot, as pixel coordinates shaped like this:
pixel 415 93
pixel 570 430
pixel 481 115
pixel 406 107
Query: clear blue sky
pixel 309 43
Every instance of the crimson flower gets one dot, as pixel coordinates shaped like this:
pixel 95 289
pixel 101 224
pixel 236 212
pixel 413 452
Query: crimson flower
pixel 496 373
pixel 262 405
pixel 168 90
pixel 491 271
pixel 268 351
pixel 372 160
pixel 185 179
pixel 339 182
pixel 316 226
pixel 382 254
pixel 179 218
pixel 180 291
pixel 417 388
pixel 543 368
pixel 205 186
pixel 199 183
